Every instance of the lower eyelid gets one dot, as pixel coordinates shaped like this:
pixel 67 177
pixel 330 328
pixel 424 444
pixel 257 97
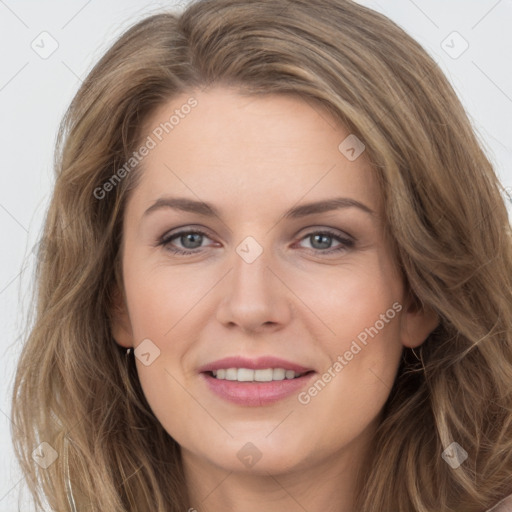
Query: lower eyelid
pixel 344 244
pixel 166 241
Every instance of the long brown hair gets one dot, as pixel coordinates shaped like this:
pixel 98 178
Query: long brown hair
pixel 445 214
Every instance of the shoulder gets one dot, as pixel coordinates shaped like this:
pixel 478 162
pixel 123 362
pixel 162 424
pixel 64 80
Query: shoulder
pixel 503 506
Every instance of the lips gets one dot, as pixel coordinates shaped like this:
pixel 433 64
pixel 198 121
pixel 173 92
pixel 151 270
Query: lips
pixel 254 393
pixel 260 363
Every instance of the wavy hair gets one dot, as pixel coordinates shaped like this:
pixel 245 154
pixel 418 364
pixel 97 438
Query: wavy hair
pixel 444 212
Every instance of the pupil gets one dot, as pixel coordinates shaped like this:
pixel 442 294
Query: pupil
pixel 190 237
pixel 324 245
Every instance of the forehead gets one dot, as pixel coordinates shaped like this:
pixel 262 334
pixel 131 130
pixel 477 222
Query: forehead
pixel 221 145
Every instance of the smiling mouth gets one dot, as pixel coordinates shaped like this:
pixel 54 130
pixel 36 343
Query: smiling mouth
pixel 261 375
pixel 246 391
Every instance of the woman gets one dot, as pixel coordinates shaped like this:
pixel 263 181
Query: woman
pixel 276 274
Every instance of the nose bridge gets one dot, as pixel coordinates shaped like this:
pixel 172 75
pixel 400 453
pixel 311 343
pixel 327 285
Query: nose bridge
pixel 249 279
pixel 251 299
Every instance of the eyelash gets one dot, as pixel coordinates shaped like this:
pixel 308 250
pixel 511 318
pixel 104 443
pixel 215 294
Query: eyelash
pixel 165 241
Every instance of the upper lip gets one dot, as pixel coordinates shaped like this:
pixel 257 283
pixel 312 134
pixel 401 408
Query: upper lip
pixel 260 363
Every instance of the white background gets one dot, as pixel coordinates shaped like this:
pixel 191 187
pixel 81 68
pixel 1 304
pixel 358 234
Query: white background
pixel 34 93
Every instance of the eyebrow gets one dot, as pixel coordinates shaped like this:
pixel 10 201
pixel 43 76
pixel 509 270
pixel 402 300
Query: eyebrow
pixel 303 210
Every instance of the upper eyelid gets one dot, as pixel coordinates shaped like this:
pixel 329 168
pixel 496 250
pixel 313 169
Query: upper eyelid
pixel 204 231
pixel 335 233
pixel 172 233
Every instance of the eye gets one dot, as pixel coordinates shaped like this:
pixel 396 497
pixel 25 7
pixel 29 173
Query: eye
pixel 321 241
pixel 191 240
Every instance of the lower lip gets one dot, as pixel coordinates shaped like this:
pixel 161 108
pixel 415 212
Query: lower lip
pixel 256 394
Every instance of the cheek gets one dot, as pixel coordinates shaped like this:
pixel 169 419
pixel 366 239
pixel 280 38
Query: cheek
pixel 159 298
pixel 353 301
pixel 350 393
pixel 172 405
pixel 164 306
pixel 363 315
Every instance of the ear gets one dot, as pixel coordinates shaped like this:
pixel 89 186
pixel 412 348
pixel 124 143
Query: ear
pixel 417 322
pixel 120 324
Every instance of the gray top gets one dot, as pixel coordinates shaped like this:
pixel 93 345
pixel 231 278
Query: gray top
pixel 503 506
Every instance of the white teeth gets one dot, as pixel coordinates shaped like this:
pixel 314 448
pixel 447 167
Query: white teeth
pixel 278 374
pixel 263 375
pixel 248 375
pixel 231 374
pixel 245 375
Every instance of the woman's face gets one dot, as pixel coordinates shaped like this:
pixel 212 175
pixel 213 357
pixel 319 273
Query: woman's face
pixel 290 274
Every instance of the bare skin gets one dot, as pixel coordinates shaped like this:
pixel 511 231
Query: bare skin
pixel 254 159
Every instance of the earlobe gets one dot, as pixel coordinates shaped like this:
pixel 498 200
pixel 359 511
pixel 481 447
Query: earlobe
pixel 417 323
pixel 120 324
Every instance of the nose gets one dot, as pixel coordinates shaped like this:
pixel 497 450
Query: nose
pixel 254 297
